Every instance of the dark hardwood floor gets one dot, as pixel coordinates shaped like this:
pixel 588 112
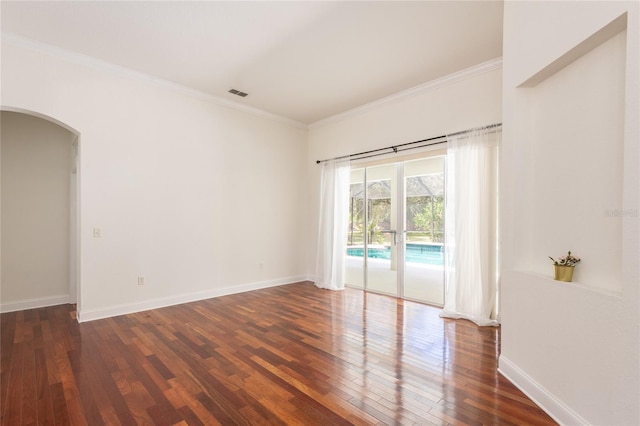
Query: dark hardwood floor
pixel 286 355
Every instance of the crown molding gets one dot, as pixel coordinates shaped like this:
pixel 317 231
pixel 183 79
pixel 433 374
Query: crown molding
pixel 110 68
pixel 455 77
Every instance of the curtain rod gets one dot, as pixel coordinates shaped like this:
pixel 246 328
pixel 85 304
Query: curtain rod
pixel 408 145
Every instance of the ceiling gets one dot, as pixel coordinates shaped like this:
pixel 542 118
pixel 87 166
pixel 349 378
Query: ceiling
pixel 303 60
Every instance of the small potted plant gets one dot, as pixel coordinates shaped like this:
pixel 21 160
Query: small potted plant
pixel 563 267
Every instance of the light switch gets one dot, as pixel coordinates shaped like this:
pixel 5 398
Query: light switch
pixel 97 233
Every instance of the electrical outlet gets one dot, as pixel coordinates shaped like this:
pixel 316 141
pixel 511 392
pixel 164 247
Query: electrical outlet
pixel 261 264
pixel 140 280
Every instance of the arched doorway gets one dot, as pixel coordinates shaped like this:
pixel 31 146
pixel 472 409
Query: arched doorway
pixel 40 180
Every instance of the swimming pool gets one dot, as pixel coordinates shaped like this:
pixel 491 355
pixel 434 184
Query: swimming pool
pixel 429 254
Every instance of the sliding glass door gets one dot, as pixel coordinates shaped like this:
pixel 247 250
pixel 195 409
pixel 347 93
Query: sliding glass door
pixel 396 227
pixel 424 230
pixel 381 264
pixel 356 234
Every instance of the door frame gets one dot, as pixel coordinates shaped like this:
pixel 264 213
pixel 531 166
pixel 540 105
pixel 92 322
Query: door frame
pixel 400 222
pixel 75 286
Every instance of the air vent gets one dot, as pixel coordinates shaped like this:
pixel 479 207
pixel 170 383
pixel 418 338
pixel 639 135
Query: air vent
pixel 237 92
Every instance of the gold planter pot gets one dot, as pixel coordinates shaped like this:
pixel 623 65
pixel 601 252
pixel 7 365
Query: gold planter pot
pixel 563 273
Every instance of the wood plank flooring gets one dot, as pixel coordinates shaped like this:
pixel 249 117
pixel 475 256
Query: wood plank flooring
pixel 292 355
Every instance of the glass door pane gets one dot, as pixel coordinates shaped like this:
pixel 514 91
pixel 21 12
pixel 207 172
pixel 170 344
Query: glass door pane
pixel 354 269
pixel 382 241
pixel 424 230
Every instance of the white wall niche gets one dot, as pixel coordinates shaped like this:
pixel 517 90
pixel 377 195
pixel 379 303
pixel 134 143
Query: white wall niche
pixel 573 347
pixel 577 155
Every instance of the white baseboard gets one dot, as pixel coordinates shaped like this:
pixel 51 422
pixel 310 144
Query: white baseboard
pixel 39 302
pixel 538 394
pixel 129 308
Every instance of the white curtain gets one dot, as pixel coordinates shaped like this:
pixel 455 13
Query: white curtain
pixel 332 230
pixel 470 226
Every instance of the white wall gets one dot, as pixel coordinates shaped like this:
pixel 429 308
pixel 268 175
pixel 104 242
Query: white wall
pixel 570 180
pixel 197 198
pixel 36 169
pixel 459 102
